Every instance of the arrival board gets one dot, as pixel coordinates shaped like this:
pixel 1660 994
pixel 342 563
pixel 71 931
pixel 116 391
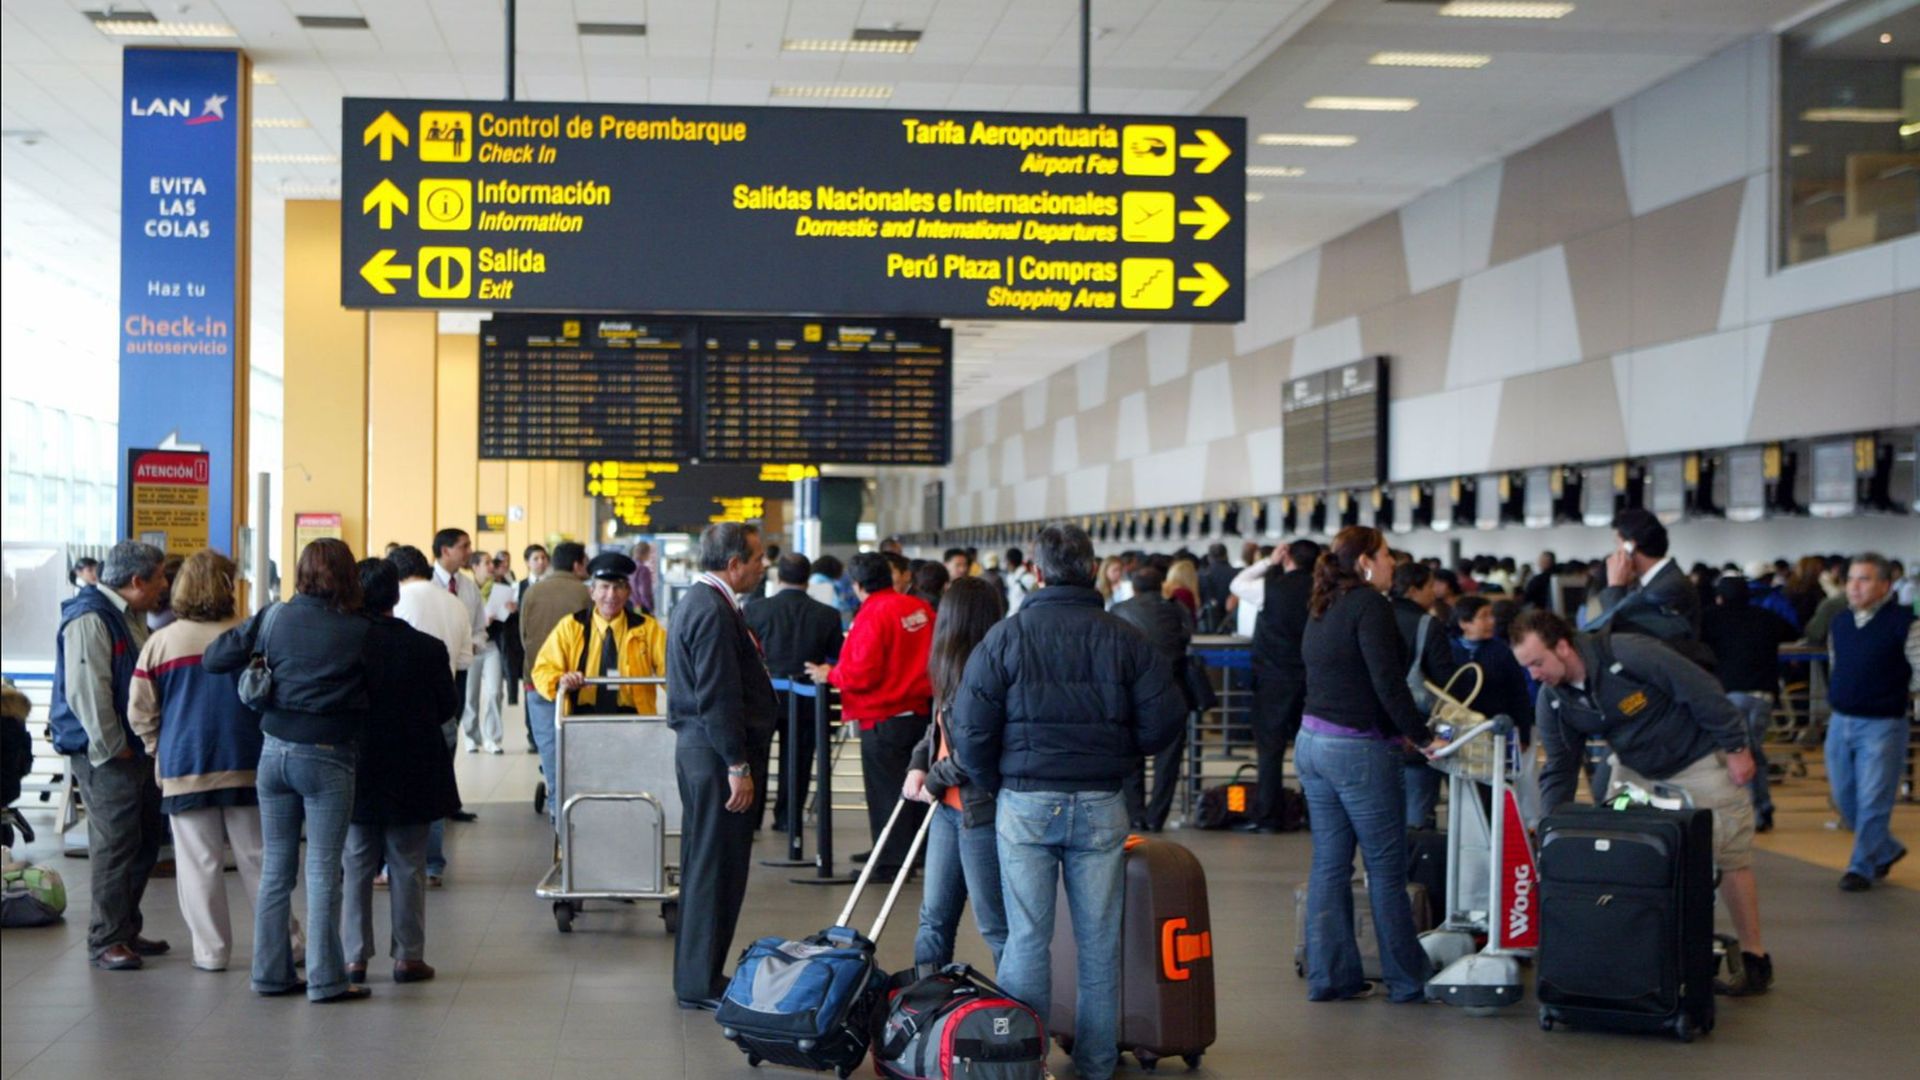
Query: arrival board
pixel 931 213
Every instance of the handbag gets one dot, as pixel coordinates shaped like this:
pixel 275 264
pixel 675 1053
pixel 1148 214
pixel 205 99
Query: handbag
pixel 256 682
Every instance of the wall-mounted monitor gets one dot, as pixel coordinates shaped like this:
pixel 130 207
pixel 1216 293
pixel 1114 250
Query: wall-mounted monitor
pixel 1746 484
pixel 1667 480
pixel 1836 474
pixel 1540 485
pixel 1599 494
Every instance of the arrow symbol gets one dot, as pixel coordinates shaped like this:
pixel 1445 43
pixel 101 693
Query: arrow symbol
pixel 389 198
pixel 381 274
pixel 1211 150
pixel 386 129
pixel 1208 215
pixel 1208 284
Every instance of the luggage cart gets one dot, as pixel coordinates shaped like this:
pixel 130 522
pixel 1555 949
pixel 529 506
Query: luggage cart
pixel 619 810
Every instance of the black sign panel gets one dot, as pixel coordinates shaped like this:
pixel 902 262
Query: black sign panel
pixel 1303 434
pixel 586 207
pixel 1357 424
pixel 635 388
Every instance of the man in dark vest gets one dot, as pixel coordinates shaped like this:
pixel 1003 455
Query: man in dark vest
pixel 102 629
pixel 794 630
pixel 1875 648
pixel 1279 677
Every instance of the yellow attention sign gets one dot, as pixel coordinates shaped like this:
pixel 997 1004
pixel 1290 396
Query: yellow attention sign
pixel 168 499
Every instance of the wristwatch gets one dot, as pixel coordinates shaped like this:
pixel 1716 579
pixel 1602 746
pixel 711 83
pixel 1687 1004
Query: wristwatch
pixel 740 770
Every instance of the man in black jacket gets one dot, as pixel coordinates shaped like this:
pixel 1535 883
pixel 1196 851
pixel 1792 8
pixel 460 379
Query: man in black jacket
pixel 1746 639
pixel 1059 702
pixel 794 630
pixel 1414 592
pixel 1647 592
pixel 720 703
pixel 1279 678
pixel 1169 629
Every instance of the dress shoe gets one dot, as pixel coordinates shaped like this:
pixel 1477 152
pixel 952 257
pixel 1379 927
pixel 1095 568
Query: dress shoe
pixel 1852 882
pixel 1254 827
pixel 711 1004
pixel 406 971
pixel 119 958
pixel 464 815
pixel 1885 868
pixel 147 947
pixel 356 973
pixel 434 881
pixel 860 858
pixel 351 993
pixel 296 988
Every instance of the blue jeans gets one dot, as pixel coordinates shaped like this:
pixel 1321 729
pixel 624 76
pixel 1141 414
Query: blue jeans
pixel 1043 835
pixel 1421 784
pixel 1355 795
pixel 540 713
pixel 311 783
pixel 1865 756
pixel 1759 713
pixel 962 864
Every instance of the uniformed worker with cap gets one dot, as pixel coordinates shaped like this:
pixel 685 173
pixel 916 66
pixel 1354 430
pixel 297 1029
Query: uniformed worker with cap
pixel 605 640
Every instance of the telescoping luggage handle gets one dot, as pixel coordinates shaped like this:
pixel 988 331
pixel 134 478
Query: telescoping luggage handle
pixel 899 877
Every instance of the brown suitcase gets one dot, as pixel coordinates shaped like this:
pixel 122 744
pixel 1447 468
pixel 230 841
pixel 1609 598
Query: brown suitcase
pixel 1166 957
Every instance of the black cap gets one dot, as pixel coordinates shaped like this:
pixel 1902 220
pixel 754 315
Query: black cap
pixel 610 566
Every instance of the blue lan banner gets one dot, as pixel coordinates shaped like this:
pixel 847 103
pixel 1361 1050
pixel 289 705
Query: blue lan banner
pixel 183 236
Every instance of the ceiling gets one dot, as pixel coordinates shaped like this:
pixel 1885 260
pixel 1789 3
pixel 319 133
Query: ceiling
pixel 60 79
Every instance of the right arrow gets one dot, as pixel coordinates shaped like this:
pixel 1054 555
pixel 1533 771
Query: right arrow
pixel 389 198
pixel 1209 284
pixel 1210 216
pixel 1211 150
pixel 381 274
pixel 386 129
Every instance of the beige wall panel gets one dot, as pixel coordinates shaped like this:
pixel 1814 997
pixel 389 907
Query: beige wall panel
pixel 1056 496
pixel 1416 333
pixel 1600 272
pixel 1002 504
pixel 1906 358
pixel 1828 371
pixel 1013 416
pixel 1210 343
pixel 1063 392
pixel 1564 415
pixel 1039 452
pixel 519 483
pixel 1257 379
pixel 401 362
pixel 1680 258
pixel 324 433
pixel 1127 367
pixel 1229 471
pixel 492 499
pixel 1516 219
pixel 1120 485
pixel 457 441
pixel 1167 414
pixel 1095 431
pixel 1361 271
pixel 1582 187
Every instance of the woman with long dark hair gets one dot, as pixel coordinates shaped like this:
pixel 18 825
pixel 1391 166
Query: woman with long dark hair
pixel 962 858
pixel 1359 713
pixel 315 647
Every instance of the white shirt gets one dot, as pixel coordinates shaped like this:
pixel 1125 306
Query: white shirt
pixel 725 590
pixel 429 608
pixel 468 594
pixel 500 602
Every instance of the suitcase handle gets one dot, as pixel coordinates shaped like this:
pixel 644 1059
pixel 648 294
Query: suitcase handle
pixel 899 879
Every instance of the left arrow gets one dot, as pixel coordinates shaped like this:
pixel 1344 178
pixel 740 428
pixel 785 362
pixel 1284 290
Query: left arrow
pixel 388 199
pixel 387 129
pixel 1209 215
pixel 381 273
pixel 1207 283
pixel 1212 150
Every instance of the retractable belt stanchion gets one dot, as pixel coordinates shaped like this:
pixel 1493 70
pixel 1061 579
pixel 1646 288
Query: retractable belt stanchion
pixel 790 766
pixel 822 796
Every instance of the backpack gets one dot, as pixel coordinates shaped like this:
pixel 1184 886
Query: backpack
pixel 31 896
pixel 957 1023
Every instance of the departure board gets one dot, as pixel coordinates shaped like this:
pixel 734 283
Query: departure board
pixel 1357 424
pixel 1303 434
pixel 826 392
pixel 571 388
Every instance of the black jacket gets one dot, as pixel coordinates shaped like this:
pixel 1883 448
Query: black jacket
pixel 795 630
pixel 1437 663
pixel 1282 623
pixel 976 802
pixel 1062 696
pixel 1167 626
pixel 319 661
pixel 1649 609
pixel 717 685
pixel 1746 644
pixel 1357 668
pixel 405 775
pixel 1505 691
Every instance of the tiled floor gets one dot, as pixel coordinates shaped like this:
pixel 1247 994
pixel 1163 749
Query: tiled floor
pixel 517 1000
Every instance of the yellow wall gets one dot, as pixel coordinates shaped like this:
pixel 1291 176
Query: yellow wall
pixel 325 447
pixel 401 408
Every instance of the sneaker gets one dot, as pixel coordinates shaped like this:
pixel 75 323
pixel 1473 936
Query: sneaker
pixel 494 748
pixel 1852 882
pixel 473 747
pixel 1880 872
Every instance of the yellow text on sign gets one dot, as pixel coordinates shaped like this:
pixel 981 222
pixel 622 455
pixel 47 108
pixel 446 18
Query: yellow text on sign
pixel 446 204
pixel 446 136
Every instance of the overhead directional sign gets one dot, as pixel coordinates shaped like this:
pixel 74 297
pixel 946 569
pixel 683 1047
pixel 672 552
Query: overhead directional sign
pixel 541 206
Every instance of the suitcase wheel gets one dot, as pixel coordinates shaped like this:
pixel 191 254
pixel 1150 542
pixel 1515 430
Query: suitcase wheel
pixel 1148 1061
pixel 670 914
pixel 540 797
pixel 1192 1060
pixel 1683 1028
pixel 563 915
pixel 1546 1021
pixel 844 1071
pixel 753 1060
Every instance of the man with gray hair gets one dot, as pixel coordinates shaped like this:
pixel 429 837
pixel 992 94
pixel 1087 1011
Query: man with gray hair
pixel 102 629
pixel 1876 667
pixel 720 703
pixel 1059 703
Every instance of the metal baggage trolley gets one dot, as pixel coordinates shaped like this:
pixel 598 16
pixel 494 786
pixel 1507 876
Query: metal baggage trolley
pixel 619 810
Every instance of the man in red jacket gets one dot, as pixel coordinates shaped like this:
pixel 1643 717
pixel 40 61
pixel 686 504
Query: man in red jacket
pixel 882 678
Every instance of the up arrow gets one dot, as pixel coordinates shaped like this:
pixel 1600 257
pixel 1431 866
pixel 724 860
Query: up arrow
pixel 1208 215
pixel 389 198
pixel 381 274
pixel 1208 284
pixel 386 129
pixel 1211 150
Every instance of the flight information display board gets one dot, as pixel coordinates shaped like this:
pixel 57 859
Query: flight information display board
pixel 1357 424
pixel 635 388
pixel 931 213
pixel 1303 434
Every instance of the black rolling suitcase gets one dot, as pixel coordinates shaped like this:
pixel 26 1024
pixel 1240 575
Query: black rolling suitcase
pixel 1626 920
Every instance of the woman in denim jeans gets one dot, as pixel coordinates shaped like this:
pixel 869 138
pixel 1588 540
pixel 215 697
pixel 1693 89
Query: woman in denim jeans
pixel 1359 713
pixel 312 722
pixel 963 861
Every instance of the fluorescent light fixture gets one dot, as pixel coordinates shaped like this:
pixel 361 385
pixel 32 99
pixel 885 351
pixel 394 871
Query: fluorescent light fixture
pixel 1462 61
pixel 279 122
pixel 1280 171
pixel 1307 140
pixel 332 22
pixel 1364 104
pixel 835 90
pixel 118 26
pixel 1910 130
pixel 295 159
pixel 263 77
pixel 862 41
pixel 1504 9
pixel 1255 196
pixel 1853 114
pixel 612 29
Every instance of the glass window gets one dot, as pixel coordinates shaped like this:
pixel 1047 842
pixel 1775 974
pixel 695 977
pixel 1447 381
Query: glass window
pixel 1850 129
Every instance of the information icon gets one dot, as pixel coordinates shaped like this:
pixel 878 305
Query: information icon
pixel 446 136
pixel 446 204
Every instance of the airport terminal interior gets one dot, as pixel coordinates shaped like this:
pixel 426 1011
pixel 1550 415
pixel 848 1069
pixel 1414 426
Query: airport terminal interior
pixel 1157 444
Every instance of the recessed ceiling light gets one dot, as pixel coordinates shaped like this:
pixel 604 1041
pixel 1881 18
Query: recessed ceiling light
pixel 611 29
pixel 1364 104
pixel 1504 9
pixel 1255 196
pixel 143 24
pixel 1799 150
pixel 834 90
pixel 862 41
pixel 332 22
pixel 1464 61
pixel 295 159
pixel 1886 39
pixel 1282 171
pixel 1853 114
pixel 263 77
pixel 279 122
pixel 1307 140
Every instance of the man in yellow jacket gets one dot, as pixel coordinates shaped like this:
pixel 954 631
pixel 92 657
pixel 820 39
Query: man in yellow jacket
pixel 607 639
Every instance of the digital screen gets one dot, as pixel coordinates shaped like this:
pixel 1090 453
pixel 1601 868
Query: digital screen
pixel 1836 491
pixel 1746 484
pixel 1357 424
pixel 1668 481
pixel 574 388
pixel 1597 495
pixel 1303 434
pixel 1538 498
